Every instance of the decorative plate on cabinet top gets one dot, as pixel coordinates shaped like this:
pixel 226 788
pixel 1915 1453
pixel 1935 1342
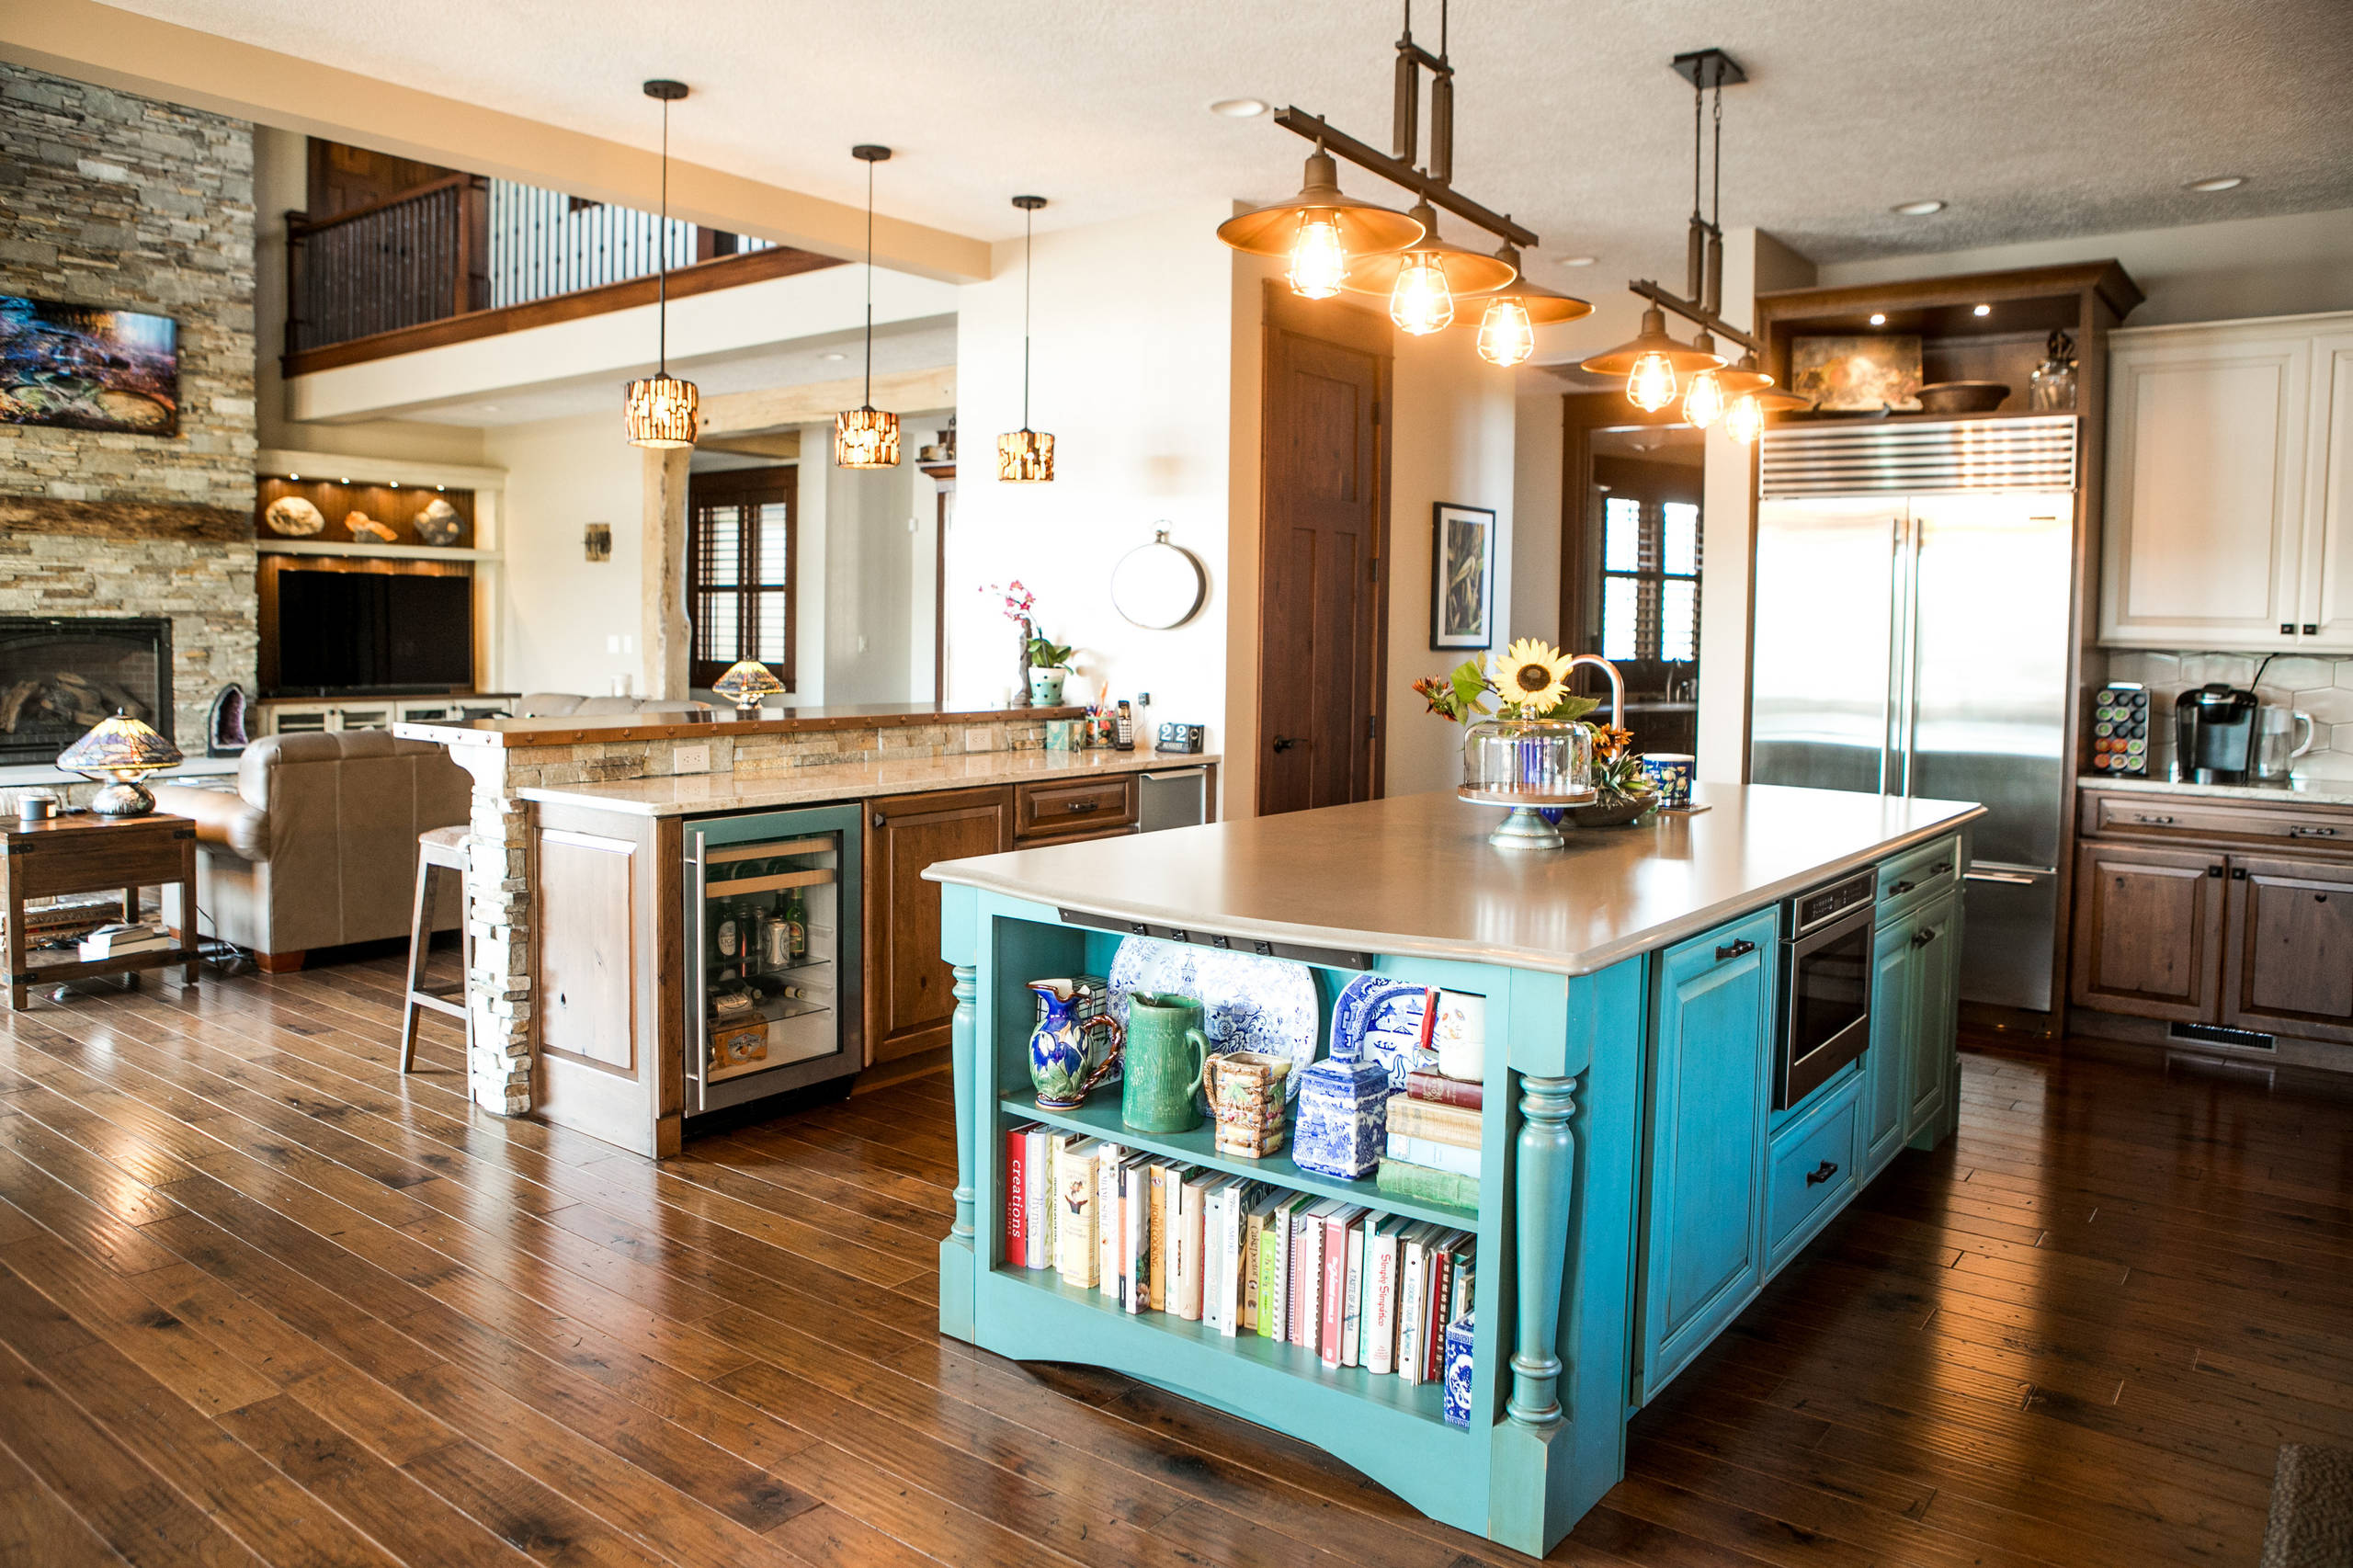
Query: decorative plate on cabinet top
pixel 1248 1003
pixel 1384 1020
pixel 290 516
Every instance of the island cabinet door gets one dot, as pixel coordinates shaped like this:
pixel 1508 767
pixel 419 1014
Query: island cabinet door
pixel 910 999
pixel 1934 987
pixel 1886 1064
pixel 1711 1036
pixel 2148 931
pixel 2288 965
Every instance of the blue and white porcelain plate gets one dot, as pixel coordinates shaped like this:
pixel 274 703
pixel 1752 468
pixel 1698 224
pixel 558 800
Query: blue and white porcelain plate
pixel 1248 1003
pixel 1381 1020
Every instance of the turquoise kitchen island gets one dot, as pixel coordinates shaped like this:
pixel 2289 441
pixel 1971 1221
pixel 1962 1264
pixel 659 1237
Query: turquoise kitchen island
pixel 1650 1155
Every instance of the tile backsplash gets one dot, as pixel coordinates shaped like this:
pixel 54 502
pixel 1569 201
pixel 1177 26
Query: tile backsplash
pixel 2321 687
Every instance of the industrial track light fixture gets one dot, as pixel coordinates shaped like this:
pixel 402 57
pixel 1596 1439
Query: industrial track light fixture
pixel 1334 242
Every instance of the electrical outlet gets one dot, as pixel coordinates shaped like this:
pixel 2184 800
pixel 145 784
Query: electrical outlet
pixel 691 759
pixel 613 643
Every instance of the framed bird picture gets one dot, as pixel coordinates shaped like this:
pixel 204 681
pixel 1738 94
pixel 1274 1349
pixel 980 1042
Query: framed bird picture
pixel 1462 576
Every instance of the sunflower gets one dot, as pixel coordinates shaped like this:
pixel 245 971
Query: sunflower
pixel 1531 675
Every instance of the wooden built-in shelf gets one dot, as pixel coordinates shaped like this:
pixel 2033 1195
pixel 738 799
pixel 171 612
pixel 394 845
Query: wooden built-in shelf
pixel 741 885
pixel 1100 1118
pixel 736 852
pixel 1426 1401
pixel 372 551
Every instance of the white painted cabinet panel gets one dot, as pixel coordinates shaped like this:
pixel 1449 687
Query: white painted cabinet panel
pixel 2230 487
pixel 2327 611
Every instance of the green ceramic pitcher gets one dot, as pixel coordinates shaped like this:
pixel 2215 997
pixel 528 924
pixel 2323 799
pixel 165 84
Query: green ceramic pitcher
pixel 1166 1055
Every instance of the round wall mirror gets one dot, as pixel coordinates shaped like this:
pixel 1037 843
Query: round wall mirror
pixel 1158 585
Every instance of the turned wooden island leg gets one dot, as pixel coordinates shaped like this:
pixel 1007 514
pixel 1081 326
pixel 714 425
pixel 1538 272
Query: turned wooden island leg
pixel 958 1252
pixel 1547 1160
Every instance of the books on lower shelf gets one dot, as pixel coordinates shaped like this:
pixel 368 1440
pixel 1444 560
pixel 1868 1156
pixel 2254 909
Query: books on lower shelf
pixel 1352 1285
pixel 121 940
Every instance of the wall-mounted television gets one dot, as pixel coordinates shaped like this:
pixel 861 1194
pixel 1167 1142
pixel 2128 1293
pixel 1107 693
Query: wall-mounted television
pixel 346 633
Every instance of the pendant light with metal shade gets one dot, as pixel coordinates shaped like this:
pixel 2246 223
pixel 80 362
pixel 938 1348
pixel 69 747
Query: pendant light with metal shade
pixel 1025 456
pixel 662 411
pixel 868 437
pixel 1508 326
pixel 1320 231
pixel 1651 362
pixel 1424 278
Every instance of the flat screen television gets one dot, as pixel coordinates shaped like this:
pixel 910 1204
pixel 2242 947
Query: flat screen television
pixel 341 632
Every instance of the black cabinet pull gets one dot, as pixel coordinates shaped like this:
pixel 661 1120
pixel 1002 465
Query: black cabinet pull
pixel 2238 873
pixel 1820 1173
pixel 1900 889
pixel 1735 949
pixel 2213 870
pixel 2311 628
pixel 1922 937
pixel 2287 628
pixel 1941 867
pixel 1082 806
pixel 2310 830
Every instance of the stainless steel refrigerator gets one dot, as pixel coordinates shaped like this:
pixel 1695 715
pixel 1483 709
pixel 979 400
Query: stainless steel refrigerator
pixel 1912 590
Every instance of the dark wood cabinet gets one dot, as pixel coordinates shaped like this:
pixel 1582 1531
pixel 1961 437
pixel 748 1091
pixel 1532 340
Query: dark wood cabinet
pixel 1064 812
pixel 909 999
pixel 2148 930
pixel 2288 948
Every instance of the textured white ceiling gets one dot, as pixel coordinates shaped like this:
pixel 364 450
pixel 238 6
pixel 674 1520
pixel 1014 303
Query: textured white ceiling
pixel 2032 117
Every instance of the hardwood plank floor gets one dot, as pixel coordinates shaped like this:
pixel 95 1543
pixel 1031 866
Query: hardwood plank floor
pixel 265 1300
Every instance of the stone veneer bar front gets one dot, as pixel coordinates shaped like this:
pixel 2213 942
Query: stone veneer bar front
pixel 508 757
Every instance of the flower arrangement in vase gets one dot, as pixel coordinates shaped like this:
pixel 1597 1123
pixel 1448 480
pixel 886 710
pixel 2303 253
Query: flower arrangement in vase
pixel 1529 746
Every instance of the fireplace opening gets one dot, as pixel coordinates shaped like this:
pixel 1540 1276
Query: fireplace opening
pixel 59 675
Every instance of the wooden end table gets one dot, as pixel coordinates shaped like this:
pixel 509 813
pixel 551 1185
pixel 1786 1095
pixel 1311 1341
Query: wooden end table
pixel 87 852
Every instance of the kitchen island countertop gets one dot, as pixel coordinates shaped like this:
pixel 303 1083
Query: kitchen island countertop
pixel 686 794
pixel 1416 875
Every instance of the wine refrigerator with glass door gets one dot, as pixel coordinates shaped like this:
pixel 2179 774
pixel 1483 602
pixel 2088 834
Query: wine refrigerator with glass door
pixel 772 931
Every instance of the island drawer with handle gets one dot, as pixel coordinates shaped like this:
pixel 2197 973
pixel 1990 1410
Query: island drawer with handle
pixel 1914 877
pixel 1085 808
pixel 2148 816
pixel 1812 1171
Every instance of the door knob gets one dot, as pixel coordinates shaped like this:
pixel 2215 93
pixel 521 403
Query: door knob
pixel 1284 742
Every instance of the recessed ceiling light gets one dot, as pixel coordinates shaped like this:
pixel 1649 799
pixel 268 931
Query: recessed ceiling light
pixel 439 488
pixel 2218 182
pixel 396 484
pixel 1877 320
pixel 1919 209
pixel 1239 109
pixel 294 478
pixel 1578 260
pixel 1982 311
pixel 833 354
pixel 342 481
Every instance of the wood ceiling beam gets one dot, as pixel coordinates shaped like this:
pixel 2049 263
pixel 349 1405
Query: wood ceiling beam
pixel 90 42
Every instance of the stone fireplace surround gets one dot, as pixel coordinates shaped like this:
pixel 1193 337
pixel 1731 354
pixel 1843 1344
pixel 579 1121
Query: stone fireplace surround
pixel 190 565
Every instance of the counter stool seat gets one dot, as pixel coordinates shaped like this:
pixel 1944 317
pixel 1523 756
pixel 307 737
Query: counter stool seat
pixel 438 850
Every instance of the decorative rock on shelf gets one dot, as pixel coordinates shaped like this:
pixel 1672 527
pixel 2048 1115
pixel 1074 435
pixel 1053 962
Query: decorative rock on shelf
pixel 362 526
pixel 1343 1119
pixel 292 516
pixel 438 523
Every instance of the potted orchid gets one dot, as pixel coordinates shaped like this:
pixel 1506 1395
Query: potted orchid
pixel 1045 664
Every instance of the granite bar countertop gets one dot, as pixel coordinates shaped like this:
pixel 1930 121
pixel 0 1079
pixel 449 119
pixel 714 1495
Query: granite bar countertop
pixel 1416 875
pixel 694 793
pixel 2296 792
pixel 566 730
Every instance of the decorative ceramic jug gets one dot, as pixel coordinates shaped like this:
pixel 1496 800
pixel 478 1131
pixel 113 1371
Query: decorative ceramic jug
pixel 1167 1054
pixel 1058 1047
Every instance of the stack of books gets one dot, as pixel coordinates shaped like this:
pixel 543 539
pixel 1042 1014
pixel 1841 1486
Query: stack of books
pixel 1434 1135
pixel 1356 1287
pixel 119 941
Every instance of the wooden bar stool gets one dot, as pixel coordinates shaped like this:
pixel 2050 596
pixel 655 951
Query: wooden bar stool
pixel 440 850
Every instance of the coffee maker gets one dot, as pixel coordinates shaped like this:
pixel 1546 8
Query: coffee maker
pixel 2215 733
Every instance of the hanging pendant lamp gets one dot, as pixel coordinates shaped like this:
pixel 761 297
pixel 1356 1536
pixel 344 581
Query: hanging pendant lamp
pixel 1713 393
pixel 868 437
pixel 1508 326
pixel 1745 420
pixel 660 410
pixel 1651 362
pixel 1319 230
pixel 1424 278
pixel 1025 456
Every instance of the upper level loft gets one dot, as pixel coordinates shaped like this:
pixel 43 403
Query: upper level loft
pixel 391 256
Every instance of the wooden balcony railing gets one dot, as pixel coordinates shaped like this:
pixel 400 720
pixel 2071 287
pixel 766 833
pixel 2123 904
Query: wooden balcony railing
pixel 467 256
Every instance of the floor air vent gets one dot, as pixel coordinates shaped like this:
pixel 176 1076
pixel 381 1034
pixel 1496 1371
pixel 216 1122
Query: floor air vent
pixel 2215 1034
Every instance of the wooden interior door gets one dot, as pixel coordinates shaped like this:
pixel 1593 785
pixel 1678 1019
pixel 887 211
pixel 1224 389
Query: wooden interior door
pixel 1323 600
pixel 2148 931
pixel 2287 963
pixel 910 1001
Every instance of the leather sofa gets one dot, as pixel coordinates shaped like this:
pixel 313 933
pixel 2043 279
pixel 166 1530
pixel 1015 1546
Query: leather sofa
pixel 317 848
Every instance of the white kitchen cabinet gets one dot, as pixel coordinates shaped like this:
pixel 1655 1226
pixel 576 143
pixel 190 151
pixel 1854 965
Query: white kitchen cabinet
pixel 2229 501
